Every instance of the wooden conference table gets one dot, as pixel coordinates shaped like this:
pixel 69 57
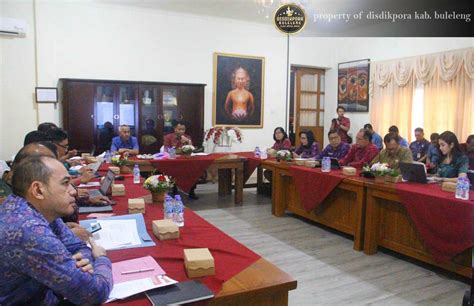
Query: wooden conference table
pixel 372 211
pixel 260 283
pixel 224 163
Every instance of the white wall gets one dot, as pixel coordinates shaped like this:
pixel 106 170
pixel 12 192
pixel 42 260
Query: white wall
pixel 105 41
pixel 17 74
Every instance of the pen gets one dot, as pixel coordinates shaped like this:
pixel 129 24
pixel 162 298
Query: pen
pixel 138 271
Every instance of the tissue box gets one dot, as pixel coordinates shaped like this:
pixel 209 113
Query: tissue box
pixel 85 155
pixel 311 163
pixel 118 190
pixel 165 229
pixel 448 186
pixel 90 159
pixel 198 262
pixel 115 170
pixel 136 206
pixel 349 170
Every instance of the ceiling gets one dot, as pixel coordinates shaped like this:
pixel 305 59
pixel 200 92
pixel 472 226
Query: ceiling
pixel 254 11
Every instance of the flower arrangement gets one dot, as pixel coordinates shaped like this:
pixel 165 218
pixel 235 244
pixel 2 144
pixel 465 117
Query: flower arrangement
pixel 381 169
pixel 119 160
pixel 216 132
pixel 187 149
pixel 283 155
pixel 158 183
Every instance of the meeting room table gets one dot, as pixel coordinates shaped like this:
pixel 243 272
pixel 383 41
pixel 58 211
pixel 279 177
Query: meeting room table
pixel 241 276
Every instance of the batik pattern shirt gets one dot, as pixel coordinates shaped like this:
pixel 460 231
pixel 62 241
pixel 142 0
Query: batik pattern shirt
pixel 310 152
pixel 338 153
pixel 36 264
pixel 419 149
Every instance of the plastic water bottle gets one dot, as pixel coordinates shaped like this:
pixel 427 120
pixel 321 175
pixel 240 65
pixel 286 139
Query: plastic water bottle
pixel 179 213
pixel 326 164
pixel 136 174
pixel 168 207
pixel 257 152
pixel 108 157
pixel 462 188
pixel 263 154
pixel 172 152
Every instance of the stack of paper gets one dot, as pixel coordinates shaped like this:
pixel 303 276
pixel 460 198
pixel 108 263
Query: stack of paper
pixel 137 275
pixel 116 234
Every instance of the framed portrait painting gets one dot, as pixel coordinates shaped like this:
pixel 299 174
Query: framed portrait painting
pixel 353 85
pixel 238 90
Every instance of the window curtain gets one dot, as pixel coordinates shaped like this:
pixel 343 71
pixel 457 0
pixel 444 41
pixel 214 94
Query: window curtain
pixel 448 86
pixel 392 87
pixel 448 94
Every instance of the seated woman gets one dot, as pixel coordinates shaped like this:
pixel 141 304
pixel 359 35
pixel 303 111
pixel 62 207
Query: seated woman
pixel 453 162
pixel 282 142
pixel 309 147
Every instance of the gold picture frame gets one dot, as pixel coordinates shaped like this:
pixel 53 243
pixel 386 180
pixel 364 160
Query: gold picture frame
pixel 238 93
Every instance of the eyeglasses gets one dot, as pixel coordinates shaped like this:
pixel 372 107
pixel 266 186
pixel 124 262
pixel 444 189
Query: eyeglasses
pixel 62 146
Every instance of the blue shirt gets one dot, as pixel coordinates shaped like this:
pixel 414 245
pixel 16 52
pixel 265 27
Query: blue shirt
pixel 434 154
pixel 36 264
pixel 311 152
pixel 118 143
pixel 338 153
pixel 419 149
pixel 403 142
pixel 377 141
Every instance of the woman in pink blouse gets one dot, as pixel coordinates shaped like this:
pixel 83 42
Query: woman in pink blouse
pixel 281 139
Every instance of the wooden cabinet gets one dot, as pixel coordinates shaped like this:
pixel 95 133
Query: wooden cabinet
pixel 94 109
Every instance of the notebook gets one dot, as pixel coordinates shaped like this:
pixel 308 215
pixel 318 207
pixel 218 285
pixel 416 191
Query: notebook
pixel 180 293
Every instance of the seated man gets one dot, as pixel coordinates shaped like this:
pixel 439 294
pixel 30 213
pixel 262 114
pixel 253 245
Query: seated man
pixel 419 147
pixel 61 139
pixel 336 148
pixel 376 138
pixel 394 129
pixel 178 138
pixel 124 143
pixel 393 154
pixel 362 152
pixel 41 261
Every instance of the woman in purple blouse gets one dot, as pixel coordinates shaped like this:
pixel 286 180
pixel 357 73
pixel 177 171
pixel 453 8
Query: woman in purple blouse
pixel 282 142
pixel 309 147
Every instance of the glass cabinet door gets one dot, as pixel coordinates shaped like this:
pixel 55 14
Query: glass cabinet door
pixel 170 108
pixel 104 116
pixel 150 120
pixel 126 107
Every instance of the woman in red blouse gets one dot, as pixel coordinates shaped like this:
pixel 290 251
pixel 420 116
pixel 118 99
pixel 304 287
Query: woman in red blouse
pixel 281 139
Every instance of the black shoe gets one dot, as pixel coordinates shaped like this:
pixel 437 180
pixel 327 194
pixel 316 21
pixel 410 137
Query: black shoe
pixel 193 196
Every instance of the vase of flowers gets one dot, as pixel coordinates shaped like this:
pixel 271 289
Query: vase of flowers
pixel 121 162
pixel 381 172
pixel 284 155
pixel 158 185
pixel 223 136
pixel 187 150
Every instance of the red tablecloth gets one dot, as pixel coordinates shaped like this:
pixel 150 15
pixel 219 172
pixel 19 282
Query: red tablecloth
pixel 230 256
pixel 185 170
pixel 313 185
pixel 250 164
pixel 445 224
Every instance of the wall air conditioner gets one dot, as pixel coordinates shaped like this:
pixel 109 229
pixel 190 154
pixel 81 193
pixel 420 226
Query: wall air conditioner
pixel 12 27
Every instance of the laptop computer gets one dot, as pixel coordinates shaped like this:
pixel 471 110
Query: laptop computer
pixel 334 164
pixel 104 187
pixel 414 172
pixel 95 166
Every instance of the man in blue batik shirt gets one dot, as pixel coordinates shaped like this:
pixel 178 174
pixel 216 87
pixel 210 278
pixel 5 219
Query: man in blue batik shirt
pixel 41 261
pixel 419 147
pixel 376 138
pixel 125 143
